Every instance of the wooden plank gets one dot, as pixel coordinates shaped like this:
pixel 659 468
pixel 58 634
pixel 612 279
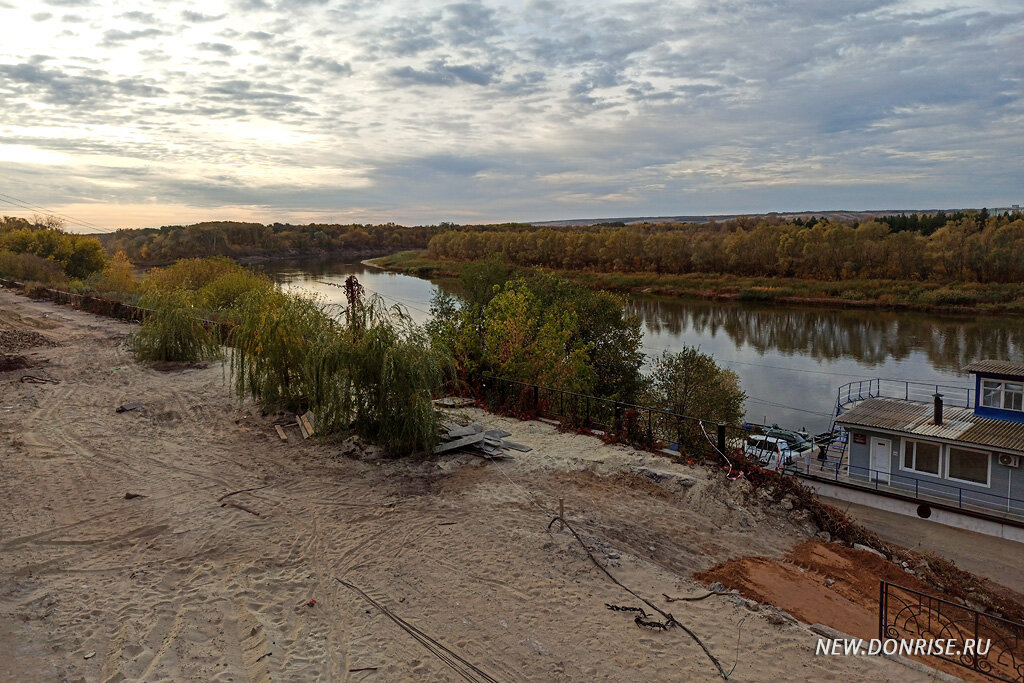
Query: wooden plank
pixel 515 446
pixel 497 433
pixel 306 424
pixel 460 431
pixel 280 433
pixel 459 443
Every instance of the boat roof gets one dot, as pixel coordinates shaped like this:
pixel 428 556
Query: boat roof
pixel 912 418
pixel 996 367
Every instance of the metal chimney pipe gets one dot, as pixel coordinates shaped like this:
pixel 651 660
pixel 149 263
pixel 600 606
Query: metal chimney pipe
pixel 938 409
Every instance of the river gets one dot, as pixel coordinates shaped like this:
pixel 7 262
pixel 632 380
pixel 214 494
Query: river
pixel 790 360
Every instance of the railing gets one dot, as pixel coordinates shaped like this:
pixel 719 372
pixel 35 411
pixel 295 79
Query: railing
pixel 920 489
pixel 641 425
pixel 907 615
pixel 921 392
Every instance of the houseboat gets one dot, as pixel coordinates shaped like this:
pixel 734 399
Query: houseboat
pixel 966 455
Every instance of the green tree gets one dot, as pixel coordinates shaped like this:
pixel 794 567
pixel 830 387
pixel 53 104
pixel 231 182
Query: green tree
pixel 690 383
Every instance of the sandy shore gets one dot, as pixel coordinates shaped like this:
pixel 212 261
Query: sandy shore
pixel 171 585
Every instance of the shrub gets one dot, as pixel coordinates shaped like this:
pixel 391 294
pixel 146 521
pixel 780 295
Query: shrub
pixel 173 331
pixel 374 372
pixel 225 293
pixel 192 273
pixel 30 268
pixel 275 334
pixel 117 277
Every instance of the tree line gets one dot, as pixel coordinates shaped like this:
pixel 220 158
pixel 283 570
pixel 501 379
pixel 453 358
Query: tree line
pixel 237 240
pixel 41 251
pixel 973 247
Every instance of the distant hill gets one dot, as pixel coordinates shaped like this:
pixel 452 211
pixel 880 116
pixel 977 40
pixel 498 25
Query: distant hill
pixel 838 215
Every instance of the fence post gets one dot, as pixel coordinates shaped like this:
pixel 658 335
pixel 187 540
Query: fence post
pixel 587 425
pixel 881 610
pixel 617 419
pixel 721 437
pixel 536 399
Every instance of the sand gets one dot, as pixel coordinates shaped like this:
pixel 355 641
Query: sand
pixel 171 585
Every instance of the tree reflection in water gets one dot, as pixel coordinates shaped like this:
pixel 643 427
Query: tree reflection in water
pixel 869 337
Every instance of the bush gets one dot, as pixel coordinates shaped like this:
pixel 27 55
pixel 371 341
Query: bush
pixel 117 277
pixel 173 331
pixel 272 342
pixel 374 372
pixel 192 274
pixel 30 268
pixel 223 294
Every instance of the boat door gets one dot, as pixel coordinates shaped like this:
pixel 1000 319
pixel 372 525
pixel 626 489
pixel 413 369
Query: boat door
pixel 880 459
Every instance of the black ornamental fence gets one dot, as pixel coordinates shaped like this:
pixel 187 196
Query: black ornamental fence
pixel 985 643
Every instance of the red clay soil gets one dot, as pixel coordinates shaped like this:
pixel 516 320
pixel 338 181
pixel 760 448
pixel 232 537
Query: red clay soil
pixel 797 585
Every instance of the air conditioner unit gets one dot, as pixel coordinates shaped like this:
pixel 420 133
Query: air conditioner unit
pixel 1007 460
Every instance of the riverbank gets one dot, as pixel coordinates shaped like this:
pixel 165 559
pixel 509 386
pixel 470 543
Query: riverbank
pixel 182 539
pixel 898 295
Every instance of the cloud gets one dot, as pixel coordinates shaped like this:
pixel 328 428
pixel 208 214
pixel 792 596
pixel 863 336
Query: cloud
pixel 140 17
pixel 221 48
pixel 199 17
pixel 441 73
pixel 331 66
pixel 535 109
pixel 57 87
pixel 114 37
pixel 41 16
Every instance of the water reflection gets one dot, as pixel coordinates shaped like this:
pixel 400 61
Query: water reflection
pixel 872 338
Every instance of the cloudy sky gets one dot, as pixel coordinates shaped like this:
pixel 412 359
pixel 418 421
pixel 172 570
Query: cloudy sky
pixel 148 113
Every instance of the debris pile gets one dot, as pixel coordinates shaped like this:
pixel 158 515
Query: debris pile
pixel 478 441
pixel 14 340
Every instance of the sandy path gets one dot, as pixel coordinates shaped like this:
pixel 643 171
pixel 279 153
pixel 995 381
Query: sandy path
pixel 172 586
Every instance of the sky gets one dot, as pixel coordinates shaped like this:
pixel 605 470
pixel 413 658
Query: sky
pixel 150 113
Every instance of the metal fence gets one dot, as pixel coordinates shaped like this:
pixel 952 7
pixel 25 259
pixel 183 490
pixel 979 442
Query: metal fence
pixel 923 490
pixel 922 392
pixel 907 615
pixel 100 305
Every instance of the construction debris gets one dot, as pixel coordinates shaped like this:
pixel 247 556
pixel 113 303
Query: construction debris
pixel 453 402
pixel 483 443
pixel 134 405
pixel 306 424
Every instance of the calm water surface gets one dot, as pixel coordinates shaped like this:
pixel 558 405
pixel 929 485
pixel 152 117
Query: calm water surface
pixel 790 360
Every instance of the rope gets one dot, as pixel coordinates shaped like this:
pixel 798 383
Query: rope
pixel 669 619
pixel 730 476
pixel 465 669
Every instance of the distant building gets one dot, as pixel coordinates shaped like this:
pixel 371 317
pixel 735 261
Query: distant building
pixel 971 454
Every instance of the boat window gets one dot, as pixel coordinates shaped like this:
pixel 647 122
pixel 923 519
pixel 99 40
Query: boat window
pixel 991 393
pixel 1013 396
pixel 1004 395
pixel 922 456
pixel 969 466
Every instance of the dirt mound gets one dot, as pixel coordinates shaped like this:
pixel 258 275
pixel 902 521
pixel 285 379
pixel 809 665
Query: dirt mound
pixel 13 340
pixel 823 583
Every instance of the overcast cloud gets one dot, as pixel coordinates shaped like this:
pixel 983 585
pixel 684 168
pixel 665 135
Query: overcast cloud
pixel 419 112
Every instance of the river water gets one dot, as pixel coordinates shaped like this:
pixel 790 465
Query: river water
pixel 791 361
